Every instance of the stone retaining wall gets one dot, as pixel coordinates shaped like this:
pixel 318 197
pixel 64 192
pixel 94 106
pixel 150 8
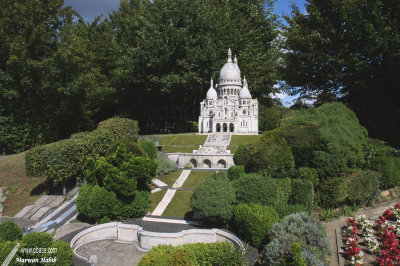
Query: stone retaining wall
pixel 145 240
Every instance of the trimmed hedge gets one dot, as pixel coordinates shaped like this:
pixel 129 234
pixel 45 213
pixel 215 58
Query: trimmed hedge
pixel 302 193
pixel 253 221
pixel 255 188
pixel 332 192
pixel 242 155
pixel 309 174
pixel 10 231
pixel 63 160
pixel 121 127
pixel 287 209
pixel 220 253
pixel 390 169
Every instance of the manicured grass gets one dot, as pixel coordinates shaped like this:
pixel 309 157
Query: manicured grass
pixel 195 178
pixel 182 139
pixel 236 140
pixel 155 198
pixel 170 178
pixel 18 185
pixel 179 205
pixel 184 149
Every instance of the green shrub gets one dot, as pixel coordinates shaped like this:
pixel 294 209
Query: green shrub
pixel 220 253
pixel 310 174
pixel 255 188
pixel 300 228
pixel 253 222
pixel 64 253
pixel 268 117
pixel 363 187
pixel 137 207
pixel 294 258
pixel 284 190
pixel 165 165
pixel 98 141
pixel 5 248
pixel 302 193
pixel 149 147
pixel 96 202
pixel 36 239
pixel 390 169
pixel 10 231
pixel 79 135
pixel 235 172
pixel 130 146
pixel 339 149
pixel 121 127
pixel 286 209
pixel 36 160
pixel 214 197
pixel 242 155
pixel 332 192
pixel 302 140
pixel 193 126
pixel 122 172
pixel 272 155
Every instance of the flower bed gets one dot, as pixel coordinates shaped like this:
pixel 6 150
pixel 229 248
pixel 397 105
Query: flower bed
pixel 378 239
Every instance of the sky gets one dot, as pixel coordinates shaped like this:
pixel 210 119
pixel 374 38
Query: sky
pixel 90 9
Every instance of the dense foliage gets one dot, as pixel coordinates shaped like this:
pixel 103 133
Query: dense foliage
pixel 214 197
pixel 220 253
pixel 253 221
pixel 149 147
pixel 10 231
pixel 300 228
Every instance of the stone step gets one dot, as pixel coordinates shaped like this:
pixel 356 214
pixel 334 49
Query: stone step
pixel 56 201
pixel 32 211
pixel 42 199
pixel 24 211
pixel 42 212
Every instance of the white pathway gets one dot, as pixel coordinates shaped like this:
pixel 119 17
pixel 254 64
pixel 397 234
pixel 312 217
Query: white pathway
pixel 170 194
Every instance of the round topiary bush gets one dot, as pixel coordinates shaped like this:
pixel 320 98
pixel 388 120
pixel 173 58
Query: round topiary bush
pixel 253 222
pixel 10 231
pixel 235 172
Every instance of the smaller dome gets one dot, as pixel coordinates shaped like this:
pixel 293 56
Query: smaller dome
pixel 244 92
pixel 211 93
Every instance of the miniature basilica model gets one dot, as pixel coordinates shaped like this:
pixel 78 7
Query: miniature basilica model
pixel 229 107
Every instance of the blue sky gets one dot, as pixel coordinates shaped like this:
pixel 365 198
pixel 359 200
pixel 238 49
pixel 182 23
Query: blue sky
pixel 90 9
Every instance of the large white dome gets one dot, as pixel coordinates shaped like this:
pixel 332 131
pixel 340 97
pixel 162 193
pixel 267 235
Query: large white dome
pixel 230 72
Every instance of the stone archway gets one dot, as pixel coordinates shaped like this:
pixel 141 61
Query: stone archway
pixel 225 127
pixel 231 127
pixel 221 164
pixel 194 163
pixel 206 163
pixel 218 127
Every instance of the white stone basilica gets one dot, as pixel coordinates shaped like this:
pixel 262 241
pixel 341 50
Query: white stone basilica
pixel 229 107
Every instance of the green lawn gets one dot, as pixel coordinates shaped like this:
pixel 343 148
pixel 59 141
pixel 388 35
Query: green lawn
pixel 195 178
pixel 179 205
pixel 182 139
pixel 184 149
pixel 236 140
pixel 155 198
pixel 170 178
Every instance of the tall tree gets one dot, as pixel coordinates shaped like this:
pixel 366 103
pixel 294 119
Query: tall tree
pixel 350 49
pixel 174 47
